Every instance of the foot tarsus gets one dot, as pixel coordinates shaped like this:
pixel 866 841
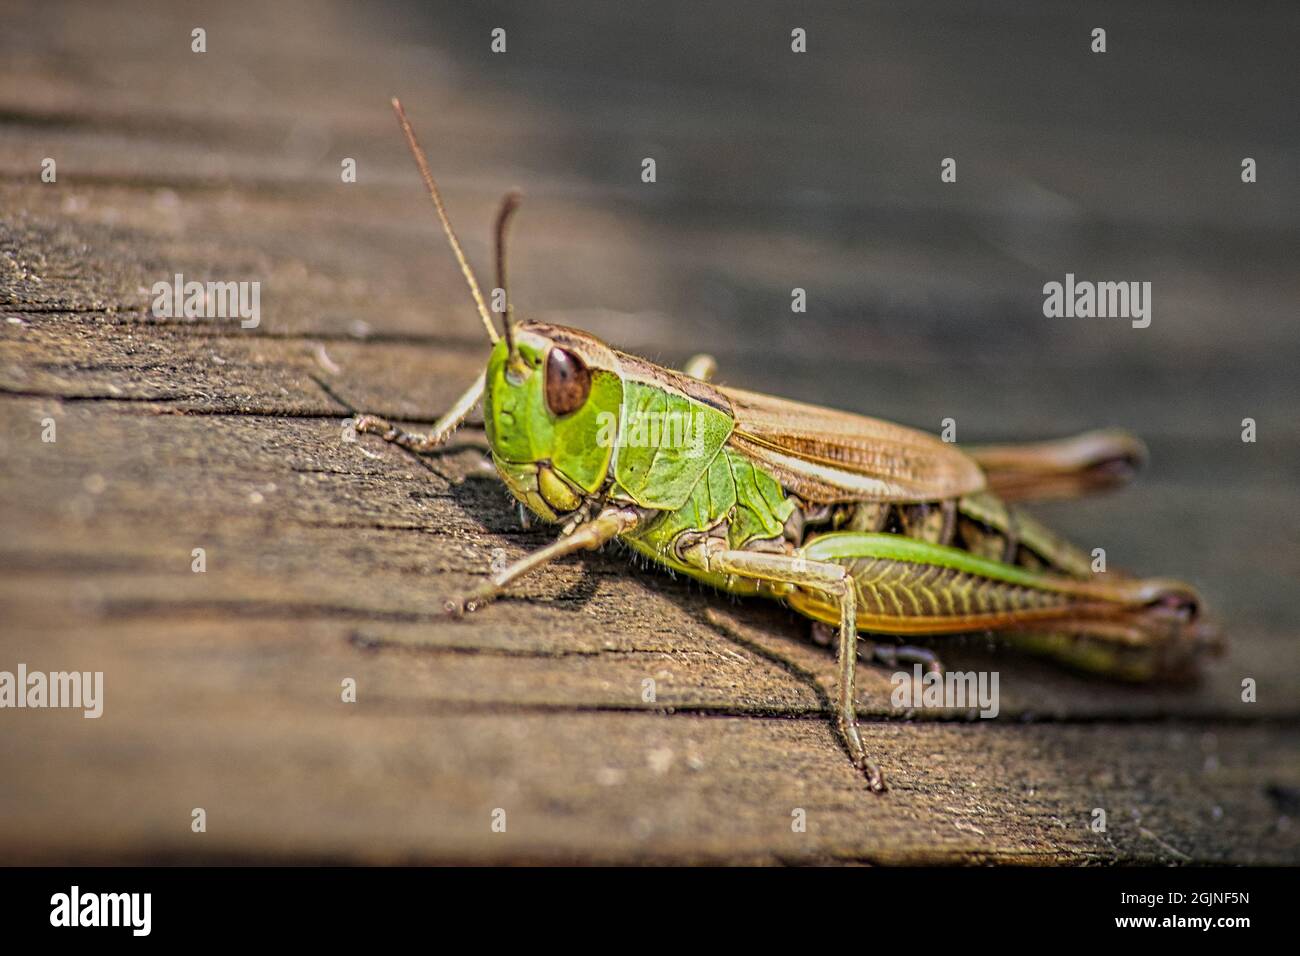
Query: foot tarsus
pixel 442 429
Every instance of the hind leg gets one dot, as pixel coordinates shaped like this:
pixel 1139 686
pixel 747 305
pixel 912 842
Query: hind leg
pixel 905 586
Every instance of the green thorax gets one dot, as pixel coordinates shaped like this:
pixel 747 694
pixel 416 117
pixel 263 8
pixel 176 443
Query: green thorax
pixel 732 491
pixel 666 443
pixel 673 457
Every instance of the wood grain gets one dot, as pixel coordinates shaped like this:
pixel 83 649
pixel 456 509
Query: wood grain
pixel 330 559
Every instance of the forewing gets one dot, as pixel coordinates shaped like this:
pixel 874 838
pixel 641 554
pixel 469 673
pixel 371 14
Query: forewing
pixel 828 456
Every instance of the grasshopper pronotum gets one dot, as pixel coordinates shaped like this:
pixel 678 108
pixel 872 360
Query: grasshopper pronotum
pixel 857 523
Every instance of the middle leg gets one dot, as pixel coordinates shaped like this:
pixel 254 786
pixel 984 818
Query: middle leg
pixel 787 573
pixel 871 651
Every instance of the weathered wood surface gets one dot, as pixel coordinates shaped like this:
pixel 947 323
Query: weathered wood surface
pixel 329 559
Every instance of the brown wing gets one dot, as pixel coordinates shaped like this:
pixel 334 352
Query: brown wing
pixel 826 456
pixel 1063 468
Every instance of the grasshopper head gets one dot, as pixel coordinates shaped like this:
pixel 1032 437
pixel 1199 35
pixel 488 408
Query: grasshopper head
pixel 550 408
pixel 552 395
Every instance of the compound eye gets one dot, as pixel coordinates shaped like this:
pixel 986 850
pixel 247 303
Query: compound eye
pixel 568 382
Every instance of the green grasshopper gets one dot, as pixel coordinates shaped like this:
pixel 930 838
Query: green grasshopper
pixel 857 523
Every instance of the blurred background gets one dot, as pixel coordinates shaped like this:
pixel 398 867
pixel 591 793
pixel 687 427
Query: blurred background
pixel 775 170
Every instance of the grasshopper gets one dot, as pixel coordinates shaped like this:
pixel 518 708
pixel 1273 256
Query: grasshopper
pixel 857 523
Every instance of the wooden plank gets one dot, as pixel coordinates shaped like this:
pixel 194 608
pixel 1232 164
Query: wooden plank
pixel 291 494
pixel 329 558
pixel 317 781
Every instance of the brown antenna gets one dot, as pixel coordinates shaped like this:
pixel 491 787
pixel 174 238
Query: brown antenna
pixel 423 164
pixel 508 206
